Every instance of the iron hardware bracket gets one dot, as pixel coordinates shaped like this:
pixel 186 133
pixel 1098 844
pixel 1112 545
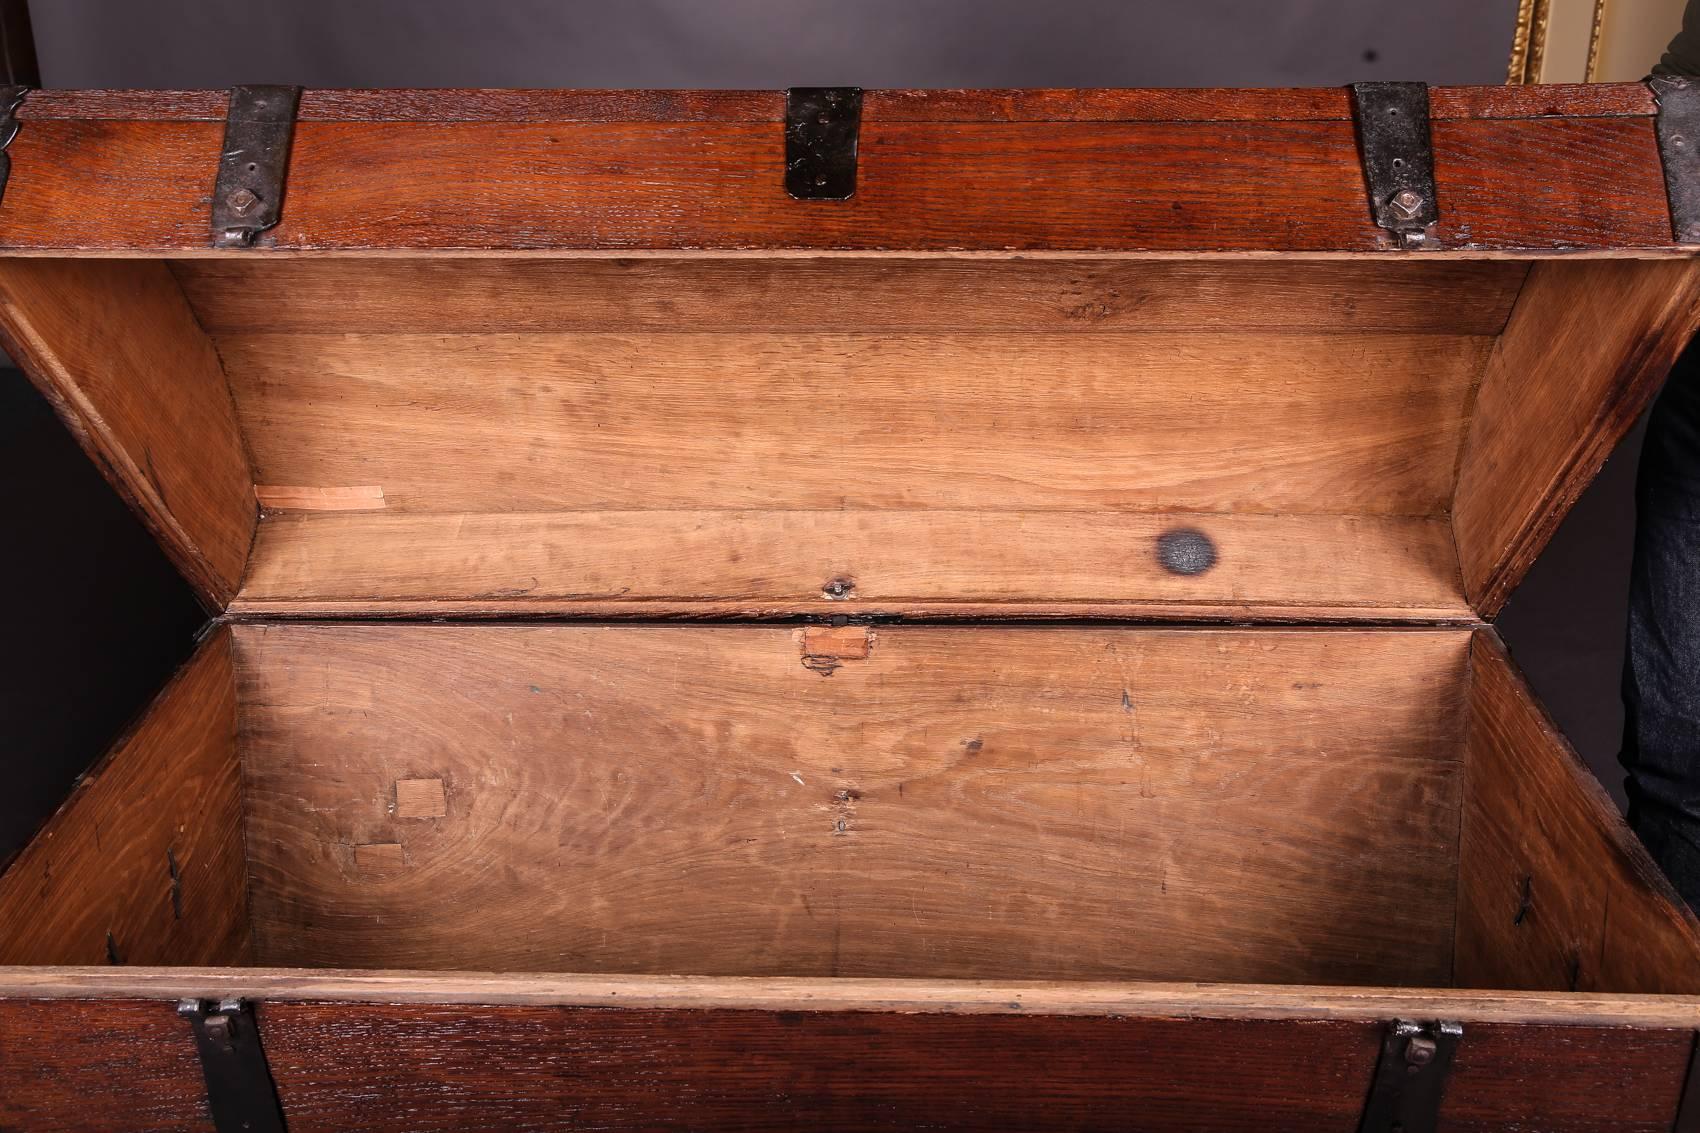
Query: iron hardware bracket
pixel 1678 129
pixel 252 167
pixel 11 97
pixel 1410 1077
pixel 240 1091
pixel 821 129
pixel 1397 151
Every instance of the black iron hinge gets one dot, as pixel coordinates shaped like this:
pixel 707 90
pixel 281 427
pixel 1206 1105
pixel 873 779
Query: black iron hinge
pixel 253 166
pixel 1678 129
pixel 240 1092
pixel 11 97
pixel 1410 1077
pixel 822 126
pixel 1397 152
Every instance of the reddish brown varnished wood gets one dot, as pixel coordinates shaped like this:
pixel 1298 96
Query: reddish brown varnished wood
pixel 440 1068
pixel 1016 171
pixel 80 1065
pixel 1201 104
pixel 460 1068
pixel 130 1064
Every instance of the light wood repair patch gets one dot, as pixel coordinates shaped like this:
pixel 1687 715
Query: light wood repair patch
pixel 379 857
pixel 420 798
pixel 361 497
pixel 826 647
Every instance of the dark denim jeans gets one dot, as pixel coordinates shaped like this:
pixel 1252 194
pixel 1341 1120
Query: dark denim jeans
pixel 1661 672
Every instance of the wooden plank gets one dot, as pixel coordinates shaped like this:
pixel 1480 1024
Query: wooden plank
pixel 357 497
pixel 117 350
pixel 1565 1079
pixel 1554 891
pixel 638 1070
pixel 106 1066
pixel 1545 1009
pixel 653 1070
pixel 765 564
pixel 1525 185
pixel 1586 348
pixel 120 1065
pixel 542 422
pixel 144 863
pixel 507 296
pixel 1031 105
pixel 1269 805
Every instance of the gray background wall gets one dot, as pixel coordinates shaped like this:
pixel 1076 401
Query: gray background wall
pixel 78 670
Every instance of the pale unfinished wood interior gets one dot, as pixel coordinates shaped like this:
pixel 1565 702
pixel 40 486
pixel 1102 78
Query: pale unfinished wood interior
pixel 1376 807
pixel 1064 803
pixel 755 437
pixel 742 438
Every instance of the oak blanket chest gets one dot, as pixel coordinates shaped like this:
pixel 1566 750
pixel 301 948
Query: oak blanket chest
pixel 848 610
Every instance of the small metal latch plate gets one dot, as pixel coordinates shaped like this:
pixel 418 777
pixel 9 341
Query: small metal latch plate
pixel 1398 157
pixel 240 1092
pixel 248 197
pixel 1678 128
pixel 821 129
pixel 1410 1077
pixel 11 97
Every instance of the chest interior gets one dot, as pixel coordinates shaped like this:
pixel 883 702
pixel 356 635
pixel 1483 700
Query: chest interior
pixel 1049 618
pixel 759 437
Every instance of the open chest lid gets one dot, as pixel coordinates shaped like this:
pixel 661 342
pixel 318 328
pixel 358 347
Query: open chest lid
pixel 1245 355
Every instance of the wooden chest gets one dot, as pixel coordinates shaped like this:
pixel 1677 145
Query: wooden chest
pixel 949 610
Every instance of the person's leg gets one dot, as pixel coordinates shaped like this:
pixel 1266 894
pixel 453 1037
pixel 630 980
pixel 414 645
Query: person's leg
pixel 1661 673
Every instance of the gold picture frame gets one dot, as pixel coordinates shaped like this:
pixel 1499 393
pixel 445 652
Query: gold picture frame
pixel 1531 39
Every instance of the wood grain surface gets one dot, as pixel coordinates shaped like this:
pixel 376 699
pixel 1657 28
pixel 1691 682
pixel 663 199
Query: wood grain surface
pixel 835 420
pixel 663 437
pixel 1017 182
pixel 461 1068
pixel 144 862
pixel 764 564
pixel 1153 999
pixel 113 1067
pixel 1554 890
pixel 1263 805
pixel 128 1064
pixel 1205 104
pixel 116 349
pixel 1587 346
pixel 421 295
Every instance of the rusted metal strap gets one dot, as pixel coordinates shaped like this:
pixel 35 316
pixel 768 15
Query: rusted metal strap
pixel 1678 129
pixel 11 97
pixel 248 196
pixel 1410 1077
pixel 1398 158
pixel 240 1091
pixel 822 125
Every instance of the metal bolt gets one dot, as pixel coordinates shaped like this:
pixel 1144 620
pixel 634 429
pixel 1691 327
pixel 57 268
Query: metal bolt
pixel 241 201
pixel 1420 1051
pixel 1406 203
pixel 838 588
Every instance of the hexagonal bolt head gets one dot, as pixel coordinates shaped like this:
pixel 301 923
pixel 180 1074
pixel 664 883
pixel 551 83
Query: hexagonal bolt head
pixel 1420 1051
pixel 1406 203
pixel 242 201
